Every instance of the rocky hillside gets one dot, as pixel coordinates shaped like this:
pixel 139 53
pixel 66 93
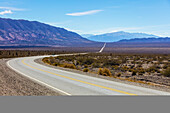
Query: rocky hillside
pixel 33 33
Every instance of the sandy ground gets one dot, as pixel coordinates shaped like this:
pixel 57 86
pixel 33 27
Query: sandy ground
pixel 154 86
pixel 14 84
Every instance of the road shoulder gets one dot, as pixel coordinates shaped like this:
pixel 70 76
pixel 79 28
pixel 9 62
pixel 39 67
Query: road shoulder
pixel 14 84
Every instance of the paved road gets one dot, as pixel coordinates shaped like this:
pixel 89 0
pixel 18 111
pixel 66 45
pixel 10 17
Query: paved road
pixel 101 50
pixel 69 83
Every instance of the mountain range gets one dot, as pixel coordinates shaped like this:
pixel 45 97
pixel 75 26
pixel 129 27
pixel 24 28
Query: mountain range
pixel 117 36
pixel 141 42
pixel 147 40
pixel 33 33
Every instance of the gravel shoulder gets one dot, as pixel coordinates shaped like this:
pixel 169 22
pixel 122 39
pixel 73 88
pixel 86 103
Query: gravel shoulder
pixel 155 86
pixel 14 84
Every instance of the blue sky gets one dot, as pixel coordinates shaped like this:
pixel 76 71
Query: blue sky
pixel 94 16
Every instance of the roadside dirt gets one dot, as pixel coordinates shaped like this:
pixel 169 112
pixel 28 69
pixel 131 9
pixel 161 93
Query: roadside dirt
pixel 14 84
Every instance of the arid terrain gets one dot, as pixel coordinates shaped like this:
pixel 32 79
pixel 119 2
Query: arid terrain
pixel 137 66
pixel 151 69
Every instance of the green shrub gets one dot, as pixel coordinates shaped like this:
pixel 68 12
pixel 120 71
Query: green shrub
pixel 71 66
pixel 88 61
pixel 167 72
pixel 111 63
pixel 85 66
pixel 115 67
pixel 96 65
pixel 100 71
pixel 56 64
pixel 45 60
pixel 134 72
pixel 106 72
pixel 152 69
pixel 165 66
pixel 85 70
pixel 119 74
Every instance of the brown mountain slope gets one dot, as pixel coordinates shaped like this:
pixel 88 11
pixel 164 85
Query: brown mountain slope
pixel 23 32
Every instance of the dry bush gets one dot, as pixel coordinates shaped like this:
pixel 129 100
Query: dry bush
pixel 134 72
pixel 85 70
pixel 100 71
pixel 45 60
pixel 119 74
pixel 71 66
pixel 167 72
pixel 85 66
pixel 106 72
pixel 56 64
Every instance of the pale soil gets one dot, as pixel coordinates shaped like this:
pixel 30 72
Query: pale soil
pixel 152 86
pixel 14 84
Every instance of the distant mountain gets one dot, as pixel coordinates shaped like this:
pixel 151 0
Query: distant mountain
pixel 147 40
pixel 141 42
pixel 87 35
pixel 116 36
pixel 33 33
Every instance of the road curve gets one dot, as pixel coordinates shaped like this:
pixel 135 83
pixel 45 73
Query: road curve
pixel 70 83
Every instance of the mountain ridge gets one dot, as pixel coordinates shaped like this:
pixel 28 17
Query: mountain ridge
pixel 116 36
pixel 148 40
pixel 24 32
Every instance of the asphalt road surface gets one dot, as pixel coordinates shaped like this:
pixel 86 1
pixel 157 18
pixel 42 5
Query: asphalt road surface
pixel 70 83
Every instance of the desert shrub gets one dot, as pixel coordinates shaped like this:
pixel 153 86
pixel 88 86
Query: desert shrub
pixel 96 65
pixel 56 64
pixel 100 71
pixel 77 63
pixel 140 73
pixel 68 58
pixel 45 60
pixel 52 60
pixel 165 66
pixel 119 74
pixel 85 66
pixel 133 72
pixel 106 72
pixel 124 68
pixel 88 61
pixel 85 70
pixel 158 71
pixel 132 66
pixel 152 69
pixel 130 70
pixel 111 62
pixel 80 60
pixel 141 70
pixel 71 66
pixel 115 67
pixel 167 72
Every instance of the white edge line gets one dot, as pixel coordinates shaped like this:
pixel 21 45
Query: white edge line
pixel 38 80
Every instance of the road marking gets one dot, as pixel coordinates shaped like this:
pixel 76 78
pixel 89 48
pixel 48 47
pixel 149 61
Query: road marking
pixel 39 81
pixel 104 87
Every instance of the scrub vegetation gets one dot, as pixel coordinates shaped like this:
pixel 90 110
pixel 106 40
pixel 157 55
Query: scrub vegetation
pixel 144 68
pixel 26 53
